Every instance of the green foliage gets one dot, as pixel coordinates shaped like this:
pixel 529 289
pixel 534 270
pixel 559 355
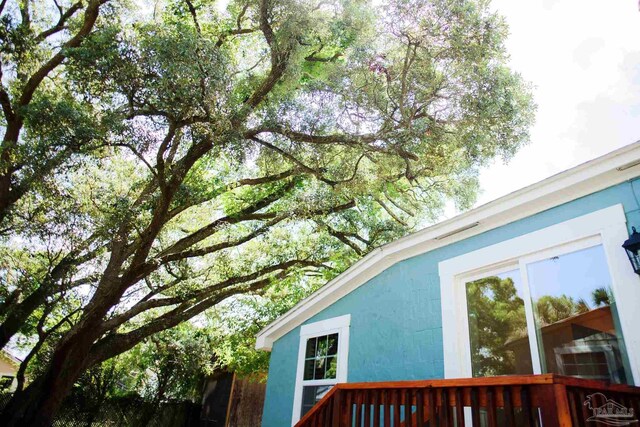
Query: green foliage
pixel 496 316
pixel 551 309
pixel 602 296
pixel 497 319
pixel 169 365
pixel 195 158
pixel 233 326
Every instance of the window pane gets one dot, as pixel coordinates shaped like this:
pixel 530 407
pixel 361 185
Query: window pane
pixel 5 382
pixel 309 366
pixel 331 367
pixel 321 360
pixel 312 395
pixel 589 365
pixel 498 326
pixel 322 347
pixel 333 344
pixel 575 314
pixel 319 370
pixel 311 348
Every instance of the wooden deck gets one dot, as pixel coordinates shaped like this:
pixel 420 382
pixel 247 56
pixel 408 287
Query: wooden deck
pixel 529 400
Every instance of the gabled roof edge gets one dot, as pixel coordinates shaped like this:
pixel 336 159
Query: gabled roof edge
pixel 605 171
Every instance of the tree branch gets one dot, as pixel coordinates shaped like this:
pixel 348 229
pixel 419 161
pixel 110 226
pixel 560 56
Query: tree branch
pixel 363 140
pixel 313 58
pixel 391 213
pixel 240 183
pixel 60 25
pixel 169 257
pixel 279 58
pixel 297 162
pixel 212 227
pixel 343 238
pixel 42 337
pixel 90 17
pixel 194 15
pixel 189 307
pixel 5 100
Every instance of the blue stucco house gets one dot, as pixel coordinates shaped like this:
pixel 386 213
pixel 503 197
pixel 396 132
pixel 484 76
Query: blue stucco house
pixel 534 282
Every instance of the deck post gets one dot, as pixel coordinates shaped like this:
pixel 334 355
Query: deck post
pixel 554 405
pixel 336 408
pixel 562 405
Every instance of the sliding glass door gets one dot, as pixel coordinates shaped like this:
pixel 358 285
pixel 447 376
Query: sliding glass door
pixel 552 312
pixel 498 325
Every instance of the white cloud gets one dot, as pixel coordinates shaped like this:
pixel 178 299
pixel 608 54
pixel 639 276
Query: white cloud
pixel 584 54
pixel 584 60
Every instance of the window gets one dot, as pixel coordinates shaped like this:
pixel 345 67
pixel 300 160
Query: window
pixel 5 382
pixel 498 325
pixel 312 395
pixel 322 361
pixel 591 365
pixel 574 317
pixel 561 299
pixel 321 358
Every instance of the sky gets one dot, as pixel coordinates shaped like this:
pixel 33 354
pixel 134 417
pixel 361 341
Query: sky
pixel 584 270
pixel 583 59
pixel 575 274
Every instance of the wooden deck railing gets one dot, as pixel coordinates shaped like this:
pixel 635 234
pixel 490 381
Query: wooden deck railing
pixel 531 400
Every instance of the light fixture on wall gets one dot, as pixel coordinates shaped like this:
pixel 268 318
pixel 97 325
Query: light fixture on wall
pixel 632 246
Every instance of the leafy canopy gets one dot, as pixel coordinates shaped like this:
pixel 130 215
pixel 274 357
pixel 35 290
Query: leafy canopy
pixel 189 155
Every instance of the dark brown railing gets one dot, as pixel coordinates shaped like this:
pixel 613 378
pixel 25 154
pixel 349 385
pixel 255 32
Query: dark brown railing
pixel 529 400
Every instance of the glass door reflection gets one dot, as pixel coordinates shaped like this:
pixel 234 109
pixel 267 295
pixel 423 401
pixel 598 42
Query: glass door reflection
pixel 575 316
pixel 498 326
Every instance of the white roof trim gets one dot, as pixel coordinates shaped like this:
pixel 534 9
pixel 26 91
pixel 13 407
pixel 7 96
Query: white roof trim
pixel 598 174
pixel 10 357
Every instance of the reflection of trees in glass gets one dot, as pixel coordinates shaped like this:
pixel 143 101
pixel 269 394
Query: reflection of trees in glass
pixel 496 316
pixel 552 309
pixel 601 296
pixel 321 359
pixel 582 305
pixel 332 368
pixel 322 348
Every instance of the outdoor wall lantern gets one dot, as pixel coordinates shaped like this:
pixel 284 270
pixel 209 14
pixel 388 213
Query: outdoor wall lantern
pixel 632 246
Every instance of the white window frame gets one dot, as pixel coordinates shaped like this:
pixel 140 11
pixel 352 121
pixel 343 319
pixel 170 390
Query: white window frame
pixel 339 325
pixel 606 349
pixel 606 227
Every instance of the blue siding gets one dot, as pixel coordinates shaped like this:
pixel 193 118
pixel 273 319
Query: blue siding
pixel 396 322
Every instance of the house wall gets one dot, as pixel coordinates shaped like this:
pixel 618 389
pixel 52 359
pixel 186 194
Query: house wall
pixel 396 322
pixel 8 368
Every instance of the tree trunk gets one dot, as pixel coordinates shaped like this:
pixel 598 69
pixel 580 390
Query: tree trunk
pixel 41 400
pixel 19 313
pixel 7 196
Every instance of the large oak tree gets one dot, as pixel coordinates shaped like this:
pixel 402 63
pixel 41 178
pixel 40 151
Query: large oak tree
pixel 159 161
